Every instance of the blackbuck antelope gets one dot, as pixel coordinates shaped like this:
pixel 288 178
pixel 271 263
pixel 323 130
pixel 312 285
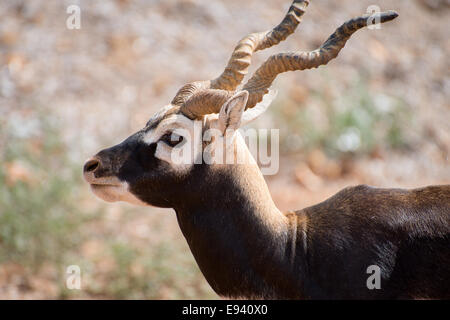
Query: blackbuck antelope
pixel 246 247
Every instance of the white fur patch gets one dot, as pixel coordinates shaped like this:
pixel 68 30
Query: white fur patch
pixel 116 192
pixel 182 157
pixel 261 107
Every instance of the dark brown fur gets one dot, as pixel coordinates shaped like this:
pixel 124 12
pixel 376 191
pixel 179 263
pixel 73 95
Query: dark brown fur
pixel 325 249
pixel 405 232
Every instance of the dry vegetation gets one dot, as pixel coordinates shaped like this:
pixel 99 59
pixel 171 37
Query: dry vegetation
pixel 379 114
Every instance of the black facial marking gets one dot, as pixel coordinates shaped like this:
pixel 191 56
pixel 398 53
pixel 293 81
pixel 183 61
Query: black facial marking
pixel 133 161
pixel 149 179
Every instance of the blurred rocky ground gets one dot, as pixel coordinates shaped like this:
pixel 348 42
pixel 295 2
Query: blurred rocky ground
pixel 379 114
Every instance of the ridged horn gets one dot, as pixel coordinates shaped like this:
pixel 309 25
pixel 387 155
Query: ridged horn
pixel 240 60
pixel 205 101
pixel 260 82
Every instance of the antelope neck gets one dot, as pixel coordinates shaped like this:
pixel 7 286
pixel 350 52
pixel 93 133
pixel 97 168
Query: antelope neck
pixel 239 238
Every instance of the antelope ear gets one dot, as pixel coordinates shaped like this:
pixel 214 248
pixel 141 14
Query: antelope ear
pixel 261 107
pixel 231 112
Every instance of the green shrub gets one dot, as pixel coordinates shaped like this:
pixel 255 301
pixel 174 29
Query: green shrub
pixel 38 185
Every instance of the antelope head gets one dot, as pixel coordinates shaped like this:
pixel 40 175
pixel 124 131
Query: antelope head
pixel 166 160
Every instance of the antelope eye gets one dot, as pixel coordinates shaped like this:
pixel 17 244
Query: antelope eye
pixel 172 139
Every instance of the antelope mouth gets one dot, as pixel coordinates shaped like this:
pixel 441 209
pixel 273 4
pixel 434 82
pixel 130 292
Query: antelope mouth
pixel 113 192
pixel 111 187
pixel 108 191
pixel 98 185
pixel 102 181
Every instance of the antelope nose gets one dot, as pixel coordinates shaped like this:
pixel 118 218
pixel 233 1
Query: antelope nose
pixel 91 165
